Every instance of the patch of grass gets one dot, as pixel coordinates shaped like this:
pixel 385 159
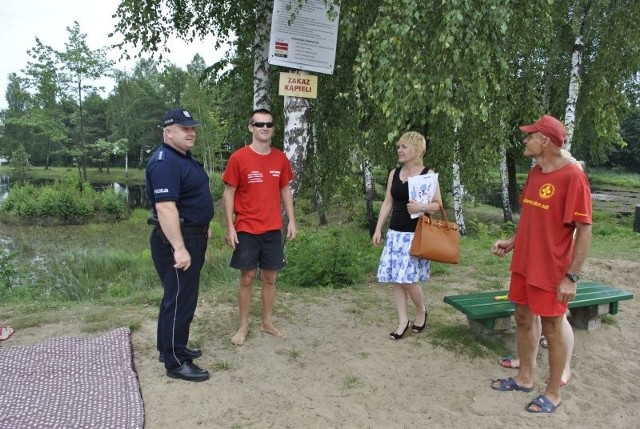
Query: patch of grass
pixel 135 326
pixel 460 340
pixel 608 319
pixel 351 382
pixel 616 246
pixel 33 318
pixel 294 355
pixel 600 177
pixel 222 365
pixel 99 318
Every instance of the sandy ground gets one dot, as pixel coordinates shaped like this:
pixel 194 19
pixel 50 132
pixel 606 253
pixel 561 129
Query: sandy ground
pixel 338 369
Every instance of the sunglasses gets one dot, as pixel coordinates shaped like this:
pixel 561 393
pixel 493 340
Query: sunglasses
pixel 262 124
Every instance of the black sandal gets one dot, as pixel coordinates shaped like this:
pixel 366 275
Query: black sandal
pixel 417 329
pixel 395 336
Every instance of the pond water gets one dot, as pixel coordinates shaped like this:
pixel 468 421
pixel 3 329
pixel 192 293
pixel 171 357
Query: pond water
pixel 136 197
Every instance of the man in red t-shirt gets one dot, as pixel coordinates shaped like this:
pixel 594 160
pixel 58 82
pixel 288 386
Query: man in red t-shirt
pixel 556 202
pixel 256 182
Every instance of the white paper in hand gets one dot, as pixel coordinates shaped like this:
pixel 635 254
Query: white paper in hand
pixel 422 188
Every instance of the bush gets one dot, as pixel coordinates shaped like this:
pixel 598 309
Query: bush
pixel 70 201
pixel 333 257
pixel 112 203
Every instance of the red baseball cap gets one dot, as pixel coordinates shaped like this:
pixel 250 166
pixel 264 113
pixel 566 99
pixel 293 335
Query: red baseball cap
pixel 550 127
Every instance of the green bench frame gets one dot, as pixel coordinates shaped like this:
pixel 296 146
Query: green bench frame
pixel 486 314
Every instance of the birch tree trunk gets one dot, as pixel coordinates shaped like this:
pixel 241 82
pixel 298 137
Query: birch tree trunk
pixel 574 81
pixel 261 56
pixel 318 201
pixel 504 184
pixel 296 136
pixel 504 179
pixel 370 191
pixel 458 188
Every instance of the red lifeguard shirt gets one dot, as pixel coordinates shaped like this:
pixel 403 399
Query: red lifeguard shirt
pixel 551 205
pixel 258 180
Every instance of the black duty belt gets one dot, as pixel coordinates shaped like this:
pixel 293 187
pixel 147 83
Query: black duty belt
pixel 186 229
pixel 194 229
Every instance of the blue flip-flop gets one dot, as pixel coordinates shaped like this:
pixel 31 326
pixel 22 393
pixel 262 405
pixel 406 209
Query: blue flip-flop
pixel 509 385
pixel 546 406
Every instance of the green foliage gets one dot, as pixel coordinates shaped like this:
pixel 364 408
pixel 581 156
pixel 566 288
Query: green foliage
pixel 460 71
pixel 604 177
pixel 628 156
pixel 79 276
pixel 477 228
pixel 112 203
pixel 68 201
pixel 216 186
pixel 9 274
pixel 20 164
pixel 328 257
pixel 607 225
pixel 120 175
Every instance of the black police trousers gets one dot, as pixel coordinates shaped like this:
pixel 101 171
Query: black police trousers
pixel 180 295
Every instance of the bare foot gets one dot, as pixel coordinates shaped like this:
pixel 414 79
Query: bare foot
pixel 507 362
pixel 563 381
pixel 273 331
pixel 6 332
pixel 240 336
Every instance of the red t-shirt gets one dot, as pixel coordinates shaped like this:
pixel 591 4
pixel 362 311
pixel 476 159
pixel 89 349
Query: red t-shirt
pixel 551 204
pixel 258 180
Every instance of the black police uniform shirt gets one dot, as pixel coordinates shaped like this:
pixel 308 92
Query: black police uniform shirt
pixel 173 176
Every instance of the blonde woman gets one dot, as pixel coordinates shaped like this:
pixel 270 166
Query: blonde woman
pixel 397 267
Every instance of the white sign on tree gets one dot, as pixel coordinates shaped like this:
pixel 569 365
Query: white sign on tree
pixel 304 38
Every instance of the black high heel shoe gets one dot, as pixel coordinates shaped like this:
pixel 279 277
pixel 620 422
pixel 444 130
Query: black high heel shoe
pixel 395 336
pixel 417 329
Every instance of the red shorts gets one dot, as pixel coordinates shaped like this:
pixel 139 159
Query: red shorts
pixel 541 302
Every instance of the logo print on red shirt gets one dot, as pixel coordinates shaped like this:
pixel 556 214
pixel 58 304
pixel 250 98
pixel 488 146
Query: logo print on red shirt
pixel 546 191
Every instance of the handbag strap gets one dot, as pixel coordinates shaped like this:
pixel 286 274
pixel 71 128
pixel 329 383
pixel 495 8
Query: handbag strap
pixel 443 216
pixel 443 213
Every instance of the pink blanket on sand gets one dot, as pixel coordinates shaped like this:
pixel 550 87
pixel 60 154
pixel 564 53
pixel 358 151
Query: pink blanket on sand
pixel 69 382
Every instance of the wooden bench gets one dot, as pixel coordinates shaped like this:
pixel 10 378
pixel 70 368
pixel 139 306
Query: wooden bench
pixel 486 314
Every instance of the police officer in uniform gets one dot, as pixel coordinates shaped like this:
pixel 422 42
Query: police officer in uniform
pixel 182 207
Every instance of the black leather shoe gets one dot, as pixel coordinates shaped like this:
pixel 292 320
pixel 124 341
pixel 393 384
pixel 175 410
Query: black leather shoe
pixel 191 354
pixel 189 371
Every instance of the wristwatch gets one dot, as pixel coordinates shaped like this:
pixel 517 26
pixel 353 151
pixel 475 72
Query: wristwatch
pixel 573 277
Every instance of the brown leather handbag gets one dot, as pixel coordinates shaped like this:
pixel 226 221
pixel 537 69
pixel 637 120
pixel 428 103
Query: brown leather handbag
pixel 436 239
